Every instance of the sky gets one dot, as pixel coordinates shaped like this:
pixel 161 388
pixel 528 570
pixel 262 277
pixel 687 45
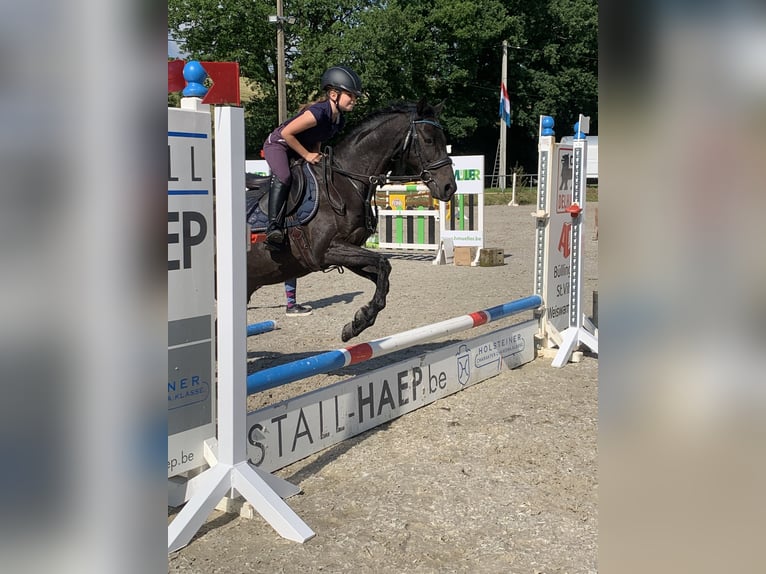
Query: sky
pixel 173 50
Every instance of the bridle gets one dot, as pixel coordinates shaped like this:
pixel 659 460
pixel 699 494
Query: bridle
pixel 411 142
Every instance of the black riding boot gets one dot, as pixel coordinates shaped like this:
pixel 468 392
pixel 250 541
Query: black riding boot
pixel 275 233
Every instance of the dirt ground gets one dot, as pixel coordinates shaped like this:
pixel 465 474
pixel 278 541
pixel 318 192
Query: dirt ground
pixel 499 478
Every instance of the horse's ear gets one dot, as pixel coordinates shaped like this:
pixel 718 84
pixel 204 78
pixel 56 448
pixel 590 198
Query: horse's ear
pixel 425 110
pixel 422 107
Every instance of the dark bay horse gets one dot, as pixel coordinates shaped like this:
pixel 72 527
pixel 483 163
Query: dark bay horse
pixel 403 139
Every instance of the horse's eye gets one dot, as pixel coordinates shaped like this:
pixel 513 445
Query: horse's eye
pixel 429 141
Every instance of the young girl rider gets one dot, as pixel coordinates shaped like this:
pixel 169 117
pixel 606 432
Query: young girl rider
pixel 301 137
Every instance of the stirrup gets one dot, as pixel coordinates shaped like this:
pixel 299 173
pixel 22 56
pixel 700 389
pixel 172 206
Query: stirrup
pixel 275 235
pixel 275 239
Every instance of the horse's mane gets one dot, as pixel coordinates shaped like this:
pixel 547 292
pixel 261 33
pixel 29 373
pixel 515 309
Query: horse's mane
pixel 374 119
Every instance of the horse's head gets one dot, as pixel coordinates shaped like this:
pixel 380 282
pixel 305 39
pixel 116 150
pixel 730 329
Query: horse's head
pixel 425 151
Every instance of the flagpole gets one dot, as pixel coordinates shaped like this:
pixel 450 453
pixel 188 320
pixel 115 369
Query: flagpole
pixel 503 127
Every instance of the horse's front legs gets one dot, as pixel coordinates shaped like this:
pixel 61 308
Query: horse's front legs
pixel 371 266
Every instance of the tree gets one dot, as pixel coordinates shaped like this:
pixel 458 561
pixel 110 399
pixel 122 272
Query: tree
pixel 446 50
pixel 234 31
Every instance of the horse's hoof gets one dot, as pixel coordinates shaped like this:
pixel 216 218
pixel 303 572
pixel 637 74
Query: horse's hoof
pixel 348 333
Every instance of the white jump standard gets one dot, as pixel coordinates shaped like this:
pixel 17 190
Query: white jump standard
pixel 230 471
pixel 561 199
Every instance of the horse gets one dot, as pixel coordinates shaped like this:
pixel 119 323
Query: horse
pixel 393 140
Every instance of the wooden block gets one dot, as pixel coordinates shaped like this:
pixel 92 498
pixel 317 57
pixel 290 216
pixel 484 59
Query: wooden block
pixel 464 255
pixel 491 257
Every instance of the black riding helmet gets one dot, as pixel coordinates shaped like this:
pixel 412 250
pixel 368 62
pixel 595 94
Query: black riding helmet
pixel 342 78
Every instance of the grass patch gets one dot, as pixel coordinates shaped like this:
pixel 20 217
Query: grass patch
pixel 526 195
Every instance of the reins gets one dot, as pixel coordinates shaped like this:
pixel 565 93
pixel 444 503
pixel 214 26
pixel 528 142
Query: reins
pixel 372 182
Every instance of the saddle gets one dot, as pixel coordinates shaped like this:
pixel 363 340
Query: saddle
pixel 302 201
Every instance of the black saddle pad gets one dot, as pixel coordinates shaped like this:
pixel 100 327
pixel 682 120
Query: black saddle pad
pixel 255 182
pixel 300 211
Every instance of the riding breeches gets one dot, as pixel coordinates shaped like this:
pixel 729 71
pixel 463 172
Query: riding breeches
pixel 276 155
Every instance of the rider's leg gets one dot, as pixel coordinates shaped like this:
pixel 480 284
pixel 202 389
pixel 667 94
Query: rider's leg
pixel 275 235
pixel 276 156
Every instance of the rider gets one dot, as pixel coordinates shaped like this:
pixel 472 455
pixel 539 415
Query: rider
pixel 302 136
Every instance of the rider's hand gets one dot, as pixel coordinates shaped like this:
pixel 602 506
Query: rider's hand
pixel 313 157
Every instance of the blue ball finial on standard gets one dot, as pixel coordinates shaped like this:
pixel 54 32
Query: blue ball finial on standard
pixel 547 126
pixel 194 74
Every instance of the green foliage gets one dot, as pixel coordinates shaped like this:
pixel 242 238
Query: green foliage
pixel 445 50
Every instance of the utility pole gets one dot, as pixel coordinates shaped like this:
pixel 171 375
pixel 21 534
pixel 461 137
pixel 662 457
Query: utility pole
pixel 503 127
pixel 281 94
pixel 280 20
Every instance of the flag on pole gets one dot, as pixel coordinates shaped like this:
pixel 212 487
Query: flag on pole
pixel 505 105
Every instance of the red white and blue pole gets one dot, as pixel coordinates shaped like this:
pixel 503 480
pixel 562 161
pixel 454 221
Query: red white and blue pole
pixel 339 358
